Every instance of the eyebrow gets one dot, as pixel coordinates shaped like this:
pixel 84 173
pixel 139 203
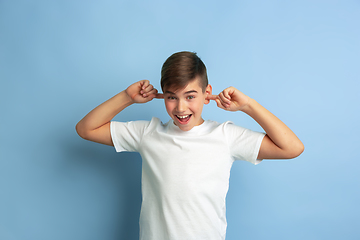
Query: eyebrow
pixel 188 92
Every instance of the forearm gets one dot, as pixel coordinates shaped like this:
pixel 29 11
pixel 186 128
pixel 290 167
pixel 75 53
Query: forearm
pixel 103 113
pixel 280 134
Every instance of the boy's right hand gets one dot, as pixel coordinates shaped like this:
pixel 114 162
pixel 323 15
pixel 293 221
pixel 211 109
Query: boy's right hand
pixel 95 126
pixel 142 92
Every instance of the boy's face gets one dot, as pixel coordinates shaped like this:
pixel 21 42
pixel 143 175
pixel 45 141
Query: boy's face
pixel 185 105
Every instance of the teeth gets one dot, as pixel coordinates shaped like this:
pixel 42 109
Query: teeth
pixel 185 116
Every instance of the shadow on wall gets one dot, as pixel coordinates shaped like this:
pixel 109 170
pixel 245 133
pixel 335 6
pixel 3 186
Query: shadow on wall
pixel 113 188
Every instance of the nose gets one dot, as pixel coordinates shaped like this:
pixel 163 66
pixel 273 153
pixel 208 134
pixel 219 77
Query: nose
pixel 181 106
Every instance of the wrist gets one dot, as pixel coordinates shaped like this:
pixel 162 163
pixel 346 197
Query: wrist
pixel 126 99
pixel 250 106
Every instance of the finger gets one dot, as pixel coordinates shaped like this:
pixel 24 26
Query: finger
pixel 151 93
pixel 219 104
pixel 211 97
pixel 224 101
pixel 147 89
pixel 159 96
pixel 144 84
pixel 226 93
pixel 223 98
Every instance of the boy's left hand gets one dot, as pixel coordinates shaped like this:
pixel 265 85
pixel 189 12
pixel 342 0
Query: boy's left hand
pixel 231 99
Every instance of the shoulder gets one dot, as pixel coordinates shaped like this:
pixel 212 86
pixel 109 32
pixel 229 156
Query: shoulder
pixel 230 126
pixel 138 125
pixel 226 127
pixel 235 132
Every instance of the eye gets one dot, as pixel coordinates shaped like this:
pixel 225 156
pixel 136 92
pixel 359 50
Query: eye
pixel 171 98
pixel 190 97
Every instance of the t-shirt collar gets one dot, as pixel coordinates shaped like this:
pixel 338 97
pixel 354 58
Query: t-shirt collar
pixel 195 131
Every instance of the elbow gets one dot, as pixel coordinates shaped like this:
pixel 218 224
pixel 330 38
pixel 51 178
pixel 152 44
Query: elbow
pixel 296 151
pixel 81 131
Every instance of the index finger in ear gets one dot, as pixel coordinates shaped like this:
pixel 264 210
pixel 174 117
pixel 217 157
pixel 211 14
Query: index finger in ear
pixel 212 97
pixel 159 96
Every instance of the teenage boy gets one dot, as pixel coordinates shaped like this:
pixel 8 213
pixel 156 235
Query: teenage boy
pixel 187 161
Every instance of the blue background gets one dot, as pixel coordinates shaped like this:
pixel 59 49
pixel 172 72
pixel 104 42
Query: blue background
pixel 60 59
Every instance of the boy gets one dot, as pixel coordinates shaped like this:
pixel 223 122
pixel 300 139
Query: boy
pixel 187 161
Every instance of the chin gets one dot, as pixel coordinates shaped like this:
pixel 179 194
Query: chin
pixel 184 128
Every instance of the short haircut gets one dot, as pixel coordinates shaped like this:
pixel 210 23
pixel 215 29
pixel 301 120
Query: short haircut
pixel 180 69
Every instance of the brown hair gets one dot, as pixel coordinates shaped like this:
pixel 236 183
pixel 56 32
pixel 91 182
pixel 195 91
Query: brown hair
pixel 180 69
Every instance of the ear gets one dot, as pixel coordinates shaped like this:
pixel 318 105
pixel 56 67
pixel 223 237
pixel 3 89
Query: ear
pixel 208 91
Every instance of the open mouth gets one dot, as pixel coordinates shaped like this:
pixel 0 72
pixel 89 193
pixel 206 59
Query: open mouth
pixel 183 118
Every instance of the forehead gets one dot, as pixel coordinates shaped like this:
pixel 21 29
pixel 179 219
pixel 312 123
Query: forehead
pixel 191 87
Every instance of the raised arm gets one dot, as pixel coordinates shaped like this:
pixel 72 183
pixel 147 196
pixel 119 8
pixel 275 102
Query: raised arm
pixel 280 142
pixel 95 126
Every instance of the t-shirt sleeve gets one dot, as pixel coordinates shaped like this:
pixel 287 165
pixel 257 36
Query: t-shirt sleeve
pixel 126 136
pixel 244 143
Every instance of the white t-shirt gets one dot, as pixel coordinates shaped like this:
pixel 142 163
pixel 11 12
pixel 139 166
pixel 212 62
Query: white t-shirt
pixel 185 174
